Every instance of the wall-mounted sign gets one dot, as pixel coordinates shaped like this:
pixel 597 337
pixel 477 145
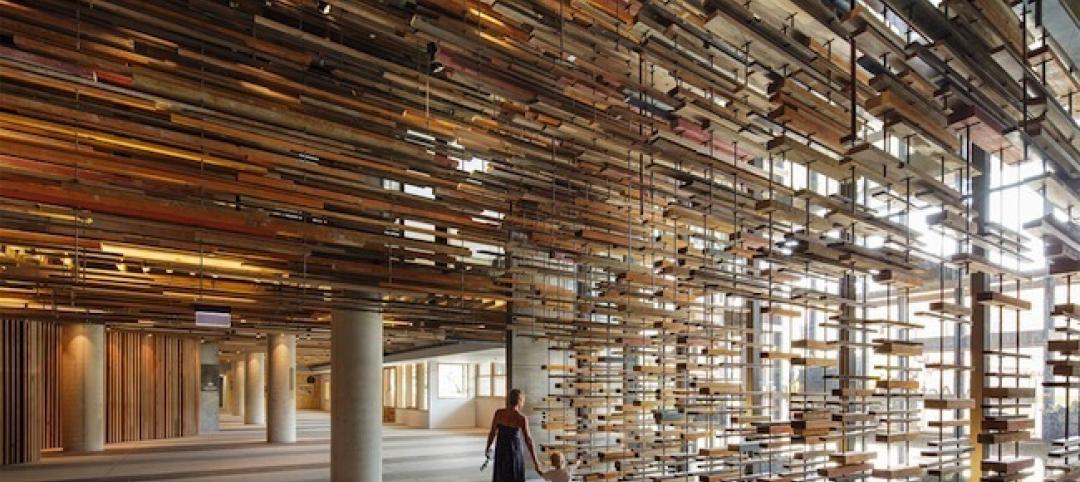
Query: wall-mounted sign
pixel 211 378
pixel 213 316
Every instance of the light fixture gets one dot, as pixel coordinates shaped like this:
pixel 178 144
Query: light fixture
pixel 324 7
pixel 177 257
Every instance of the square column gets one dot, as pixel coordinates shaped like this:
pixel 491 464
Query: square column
pixel 210 387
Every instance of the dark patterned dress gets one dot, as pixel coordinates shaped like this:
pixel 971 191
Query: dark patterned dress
pixel 509 460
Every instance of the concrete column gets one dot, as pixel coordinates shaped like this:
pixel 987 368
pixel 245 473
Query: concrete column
pixel 981 330
pixel 356 354
pixel 237 369
pixel 281 404
pixel 526 356
pixel 82 378
pixel 227 399
pixel 254 395
pixel 210 387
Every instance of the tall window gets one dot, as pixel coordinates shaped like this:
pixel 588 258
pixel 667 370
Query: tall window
pixel 389 386
pixel 408 386
pixel 422 385
pixel 491 380
pixel 453 380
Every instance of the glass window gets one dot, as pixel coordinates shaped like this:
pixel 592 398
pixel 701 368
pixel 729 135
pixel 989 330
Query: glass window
pixel 499 380
pixel 483 380
pixel 422 385
pixel 389 386
pixel 391 184
pixel 453 380
pixel 490 380
pixel 408 386
pixel 422 191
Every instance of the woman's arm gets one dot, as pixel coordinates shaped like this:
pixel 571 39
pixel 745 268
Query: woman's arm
pixel 491 433
pixel 529 442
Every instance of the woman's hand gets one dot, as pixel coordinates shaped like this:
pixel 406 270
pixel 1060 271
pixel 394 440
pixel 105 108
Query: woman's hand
pixel 536 465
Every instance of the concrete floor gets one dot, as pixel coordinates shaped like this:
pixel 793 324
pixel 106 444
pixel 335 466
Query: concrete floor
pixel 239 453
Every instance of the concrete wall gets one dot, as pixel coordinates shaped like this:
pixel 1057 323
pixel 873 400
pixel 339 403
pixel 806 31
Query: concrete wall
pixel 527 356
pixel 411 417
pixel 307 396
pixel 485 409
pixel 450 412
pixel 210 387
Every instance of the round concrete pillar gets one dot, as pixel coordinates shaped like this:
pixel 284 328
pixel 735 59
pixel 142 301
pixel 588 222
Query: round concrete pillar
pixel 82 378
pixel 237 368
pixel 281 401
pixel 254 388
pixel 356 353
pixel 227 380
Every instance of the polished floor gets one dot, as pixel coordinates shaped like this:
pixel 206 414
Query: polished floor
pixel 239 453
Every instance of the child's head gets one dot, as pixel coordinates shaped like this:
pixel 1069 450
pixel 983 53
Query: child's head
pixel 557 460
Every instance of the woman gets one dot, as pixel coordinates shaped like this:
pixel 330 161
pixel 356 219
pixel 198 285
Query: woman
pixel 511 426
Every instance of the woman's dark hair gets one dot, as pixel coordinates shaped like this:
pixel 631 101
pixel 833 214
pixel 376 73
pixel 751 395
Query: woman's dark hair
pixel 513 398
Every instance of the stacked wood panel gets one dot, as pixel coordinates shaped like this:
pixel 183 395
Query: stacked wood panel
pixel 1061 240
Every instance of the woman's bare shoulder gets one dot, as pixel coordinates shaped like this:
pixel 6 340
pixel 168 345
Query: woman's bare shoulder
pixel 520 418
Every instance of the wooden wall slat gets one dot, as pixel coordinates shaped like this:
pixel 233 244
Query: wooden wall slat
pixel 29 405
pixel 190 394
pixel 147 396
pixel 52 384
pixel 9 403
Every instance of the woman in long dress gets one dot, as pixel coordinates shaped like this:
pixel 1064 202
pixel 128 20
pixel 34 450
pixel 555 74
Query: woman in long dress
pixel 508 427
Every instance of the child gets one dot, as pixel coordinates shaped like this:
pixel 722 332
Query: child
pixel 560 472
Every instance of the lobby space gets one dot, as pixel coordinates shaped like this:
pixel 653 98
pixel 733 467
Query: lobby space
pixel 239 453
pixel 645 241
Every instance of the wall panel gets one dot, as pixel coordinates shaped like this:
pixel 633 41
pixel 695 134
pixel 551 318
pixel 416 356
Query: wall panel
pixel 153 386
pixel 29 406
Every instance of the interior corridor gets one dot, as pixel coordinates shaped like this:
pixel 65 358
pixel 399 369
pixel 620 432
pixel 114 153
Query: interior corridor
pixel 240 453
